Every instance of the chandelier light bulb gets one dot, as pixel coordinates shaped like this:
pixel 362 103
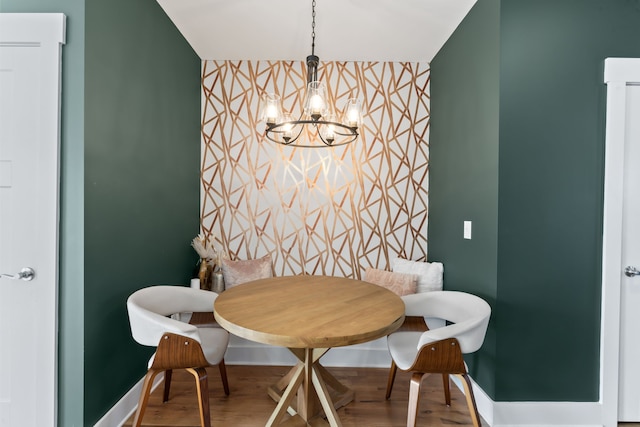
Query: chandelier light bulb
pixel 353 113
pixel 270 109
pixel 315 105
pixel 328 132
pixel 271 114
pixel 287 128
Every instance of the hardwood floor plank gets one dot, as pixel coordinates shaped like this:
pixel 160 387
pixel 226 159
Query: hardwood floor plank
pixel 249 405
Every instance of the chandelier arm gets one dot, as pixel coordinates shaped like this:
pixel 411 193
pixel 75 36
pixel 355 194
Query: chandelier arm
pixel 275 129
pixel 328 144
pixel 351 130
pixel 350 133
pixel 290 144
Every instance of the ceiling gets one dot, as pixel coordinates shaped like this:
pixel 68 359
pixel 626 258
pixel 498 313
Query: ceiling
pixel 346 30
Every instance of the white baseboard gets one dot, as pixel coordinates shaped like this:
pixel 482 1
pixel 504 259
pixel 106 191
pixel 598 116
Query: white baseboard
pixel 374 354
pixel 535 414
pixel 125 407
pixel 547 414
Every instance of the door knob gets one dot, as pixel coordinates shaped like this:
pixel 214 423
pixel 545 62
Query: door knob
pixel 25 274
pixel 631 271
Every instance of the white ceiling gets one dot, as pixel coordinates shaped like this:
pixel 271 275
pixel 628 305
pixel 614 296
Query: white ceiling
pixel 346 30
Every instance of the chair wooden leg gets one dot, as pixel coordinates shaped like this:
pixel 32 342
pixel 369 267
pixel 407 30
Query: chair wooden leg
pixel 144 396
pixel 414 398
pixel 167 385
pixel 471 401
pixel 223 375
pixel 392 377
pixel 202 386
pixel 447 390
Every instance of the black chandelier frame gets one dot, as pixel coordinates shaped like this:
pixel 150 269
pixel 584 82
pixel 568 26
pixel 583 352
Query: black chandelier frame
pixel 277 132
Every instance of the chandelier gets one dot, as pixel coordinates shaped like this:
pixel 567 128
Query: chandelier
pixel 317 115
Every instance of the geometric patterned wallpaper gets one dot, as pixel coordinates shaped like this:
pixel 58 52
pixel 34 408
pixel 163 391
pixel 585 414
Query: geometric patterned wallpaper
pixel 332 211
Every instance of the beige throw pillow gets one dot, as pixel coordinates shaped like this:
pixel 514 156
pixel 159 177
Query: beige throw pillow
pixel 243 271
pixel 398 283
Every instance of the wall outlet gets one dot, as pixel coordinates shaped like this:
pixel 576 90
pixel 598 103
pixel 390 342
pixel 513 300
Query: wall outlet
pixel 467 230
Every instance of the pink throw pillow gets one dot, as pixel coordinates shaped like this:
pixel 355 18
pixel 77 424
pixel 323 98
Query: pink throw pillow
pixel 243 271
pixel 398 283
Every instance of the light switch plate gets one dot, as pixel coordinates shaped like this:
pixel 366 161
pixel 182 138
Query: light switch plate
pixel 467 229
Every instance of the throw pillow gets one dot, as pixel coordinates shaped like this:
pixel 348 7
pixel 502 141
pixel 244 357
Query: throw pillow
pixel 429 273
pixel 398 283
pixel 243 271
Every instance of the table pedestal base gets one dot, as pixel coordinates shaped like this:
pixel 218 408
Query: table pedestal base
pixel 317 391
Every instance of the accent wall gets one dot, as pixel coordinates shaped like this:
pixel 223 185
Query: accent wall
pixel 332 211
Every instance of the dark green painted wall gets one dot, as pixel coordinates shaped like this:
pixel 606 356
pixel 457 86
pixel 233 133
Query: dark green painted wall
pixel 550 162
pixel 142 158
pixel 463 154
pixel 552 109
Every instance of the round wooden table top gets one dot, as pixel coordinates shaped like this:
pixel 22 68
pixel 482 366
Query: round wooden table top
pixel 309 311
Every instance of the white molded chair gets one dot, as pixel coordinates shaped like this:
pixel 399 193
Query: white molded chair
pixel 179 344
pixel 439 350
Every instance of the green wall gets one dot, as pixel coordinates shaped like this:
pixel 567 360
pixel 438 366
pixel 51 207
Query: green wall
pixel 130 150
pixel 549 164
pixel 463 167
pixel 142 158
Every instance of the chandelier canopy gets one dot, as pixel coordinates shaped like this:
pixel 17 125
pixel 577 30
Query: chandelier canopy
pixel 318 113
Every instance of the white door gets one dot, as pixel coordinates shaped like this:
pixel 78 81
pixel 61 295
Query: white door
pixel 629 377
pixel 30 46
pixel 620 333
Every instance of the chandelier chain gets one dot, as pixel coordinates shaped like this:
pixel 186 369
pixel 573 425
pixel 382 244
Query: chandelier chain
pixel 313 27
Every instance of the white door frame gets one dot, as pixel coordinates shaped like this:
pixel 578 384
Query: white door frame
pixel 618 73
pixel 46 33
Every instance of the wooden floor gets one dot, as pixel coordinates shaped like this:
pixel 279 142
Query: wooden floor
pixel 248 404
